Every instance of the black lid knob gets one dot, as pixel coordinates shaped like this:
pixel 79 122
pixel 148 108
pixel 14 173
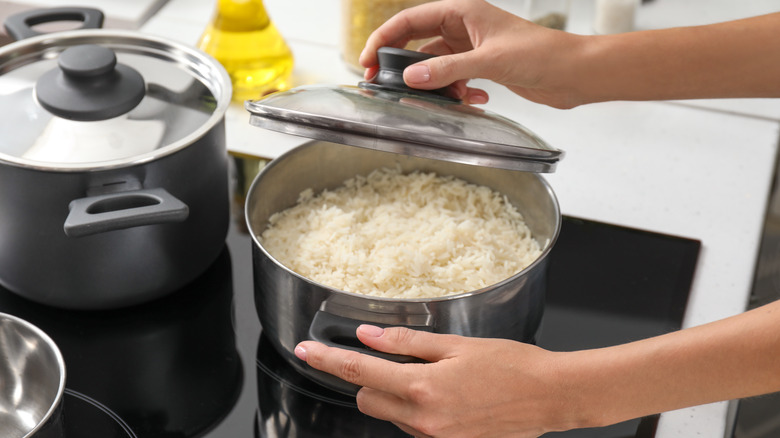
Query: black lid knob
pixel 89 85
pixel 392 62
pixel 390 77
pixel 85 61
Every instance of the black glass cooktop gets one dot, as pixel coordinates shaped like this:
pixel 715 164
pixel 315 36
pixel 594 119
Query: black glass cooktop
pixel 194 364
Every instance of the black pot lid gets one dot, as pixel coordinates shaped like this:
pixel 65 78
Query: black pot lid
pixel 95 98
pixel 387 115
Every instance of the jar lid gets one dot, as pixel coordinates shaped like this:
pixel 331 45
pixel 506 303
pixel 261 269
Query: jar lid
pixel 97 98
pixel 387 115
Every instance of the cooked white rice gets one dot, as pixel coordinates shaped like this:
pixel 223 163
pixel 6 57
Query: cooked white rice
pixel 390 234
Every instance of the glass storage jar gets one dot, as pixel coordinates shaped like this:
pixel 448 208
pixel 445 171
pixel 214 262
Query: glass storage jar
pixel 361 17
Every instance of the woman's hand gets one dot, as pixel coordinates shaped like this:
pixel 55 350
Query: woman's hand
pixel 481 41
pixel 471 387
pixel 475 387
pixel 477 40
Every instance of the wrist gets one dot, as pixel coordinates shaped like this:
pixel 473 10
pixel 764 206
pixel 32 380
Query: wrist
pixel 577 71
pixel 593 387
pixel 576 386
pixel 598 71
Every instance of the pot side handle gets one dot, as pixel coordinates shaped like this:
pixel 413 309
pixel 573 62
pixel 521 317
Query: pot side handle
pixel 20 26
pixel 116 211
pixel 339 331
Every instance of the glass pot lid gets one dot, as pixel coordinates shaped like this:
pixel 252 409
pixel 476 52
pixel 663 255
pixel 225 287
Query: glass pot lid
pixel 387 115
pixel 95 98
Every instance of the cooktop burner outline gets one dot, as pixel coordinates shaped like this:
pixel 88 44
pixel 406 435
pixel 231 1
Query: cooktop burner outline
pixel 267 370
pixel 100 407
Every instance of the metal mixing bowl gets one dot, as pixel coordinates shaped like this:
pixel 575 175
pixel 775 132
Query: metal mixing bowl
pixel 32 381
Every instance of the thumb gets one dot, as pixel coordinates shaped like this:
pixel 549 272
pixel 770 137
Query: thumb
pixel 428 346
pixel 441 71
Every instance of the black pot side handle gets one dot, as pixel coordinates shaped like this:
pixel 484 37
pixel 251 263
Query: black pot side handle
pixel 338 331
pixel 117 211
pixel 20 26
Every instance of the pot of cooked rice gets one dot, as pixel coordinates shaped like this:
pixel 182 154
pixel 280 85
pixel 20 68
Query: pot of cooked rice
pixel 346 235
pixel 411 209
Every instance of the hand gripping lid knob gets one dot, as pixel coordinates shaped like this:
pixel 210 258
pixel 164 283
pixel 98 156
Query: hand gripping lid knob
pixel 89 85
pixel 390 77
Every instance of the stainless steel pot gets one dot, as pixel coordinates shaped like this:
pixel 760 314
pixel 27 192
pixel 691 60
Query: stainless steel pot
pixel 293 308
pixel 119 196
pixel 32 381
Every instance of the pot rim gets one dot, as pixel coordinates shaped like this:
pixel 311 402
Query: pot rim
pixel 60 365
pixel 539 260
pixel 191 59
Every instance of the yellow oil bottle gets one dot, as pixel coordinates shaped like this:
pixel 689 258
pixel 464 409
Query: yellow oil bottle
pixel 242 37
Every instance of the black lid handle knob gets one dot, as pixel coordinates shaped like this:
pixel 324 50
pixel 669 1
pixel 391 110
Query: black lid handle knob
pixel 390 77
pixel 393 61
pixel 86 61
pixel 89 85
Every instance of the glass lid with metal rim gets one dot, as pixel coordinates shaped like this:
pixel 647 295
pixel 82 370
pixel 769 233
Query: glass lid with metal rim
pixel 387 115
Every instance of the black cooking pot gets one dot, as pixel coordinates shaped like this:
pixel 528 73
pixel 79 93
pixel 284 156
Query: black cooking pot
pixel 113 165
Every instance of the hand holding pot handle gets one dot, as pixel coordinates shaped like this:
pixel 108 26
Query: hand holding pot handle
pixel 338 331
pixel 116 211
pixel 469 387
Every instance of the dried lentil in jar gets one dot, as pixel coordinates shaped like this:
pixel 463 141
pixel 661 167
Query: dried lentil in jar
pixel 361 17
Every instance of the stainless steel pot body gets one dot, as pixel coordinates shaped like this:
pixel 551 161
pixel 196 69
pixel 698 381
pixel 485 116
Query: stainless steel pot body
pixel 114 233
pixel 293 308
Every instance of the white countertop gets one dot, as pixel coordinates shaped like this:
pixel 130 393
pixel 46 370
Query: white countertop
pixel 698 169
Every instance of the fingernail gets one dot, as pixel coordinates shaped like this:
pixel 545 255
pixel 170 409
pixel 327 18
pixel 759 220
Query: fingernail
pixel 371 330
pixel 417 74
pixel 300 352
pixel 478 99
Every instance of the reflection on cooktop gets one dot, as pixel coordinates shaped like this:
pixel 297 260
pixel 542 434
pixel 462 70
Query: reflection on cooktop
pixel 169 368
pixel 291 405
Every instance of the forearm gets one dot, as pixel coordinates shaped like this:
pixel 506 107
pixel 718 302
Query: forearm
pixel 732 59
pixel 728 359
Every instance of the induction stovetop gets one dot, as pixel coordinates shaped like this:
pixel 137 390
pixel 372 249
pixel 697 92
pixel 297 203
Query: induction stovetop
pixel 194 364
